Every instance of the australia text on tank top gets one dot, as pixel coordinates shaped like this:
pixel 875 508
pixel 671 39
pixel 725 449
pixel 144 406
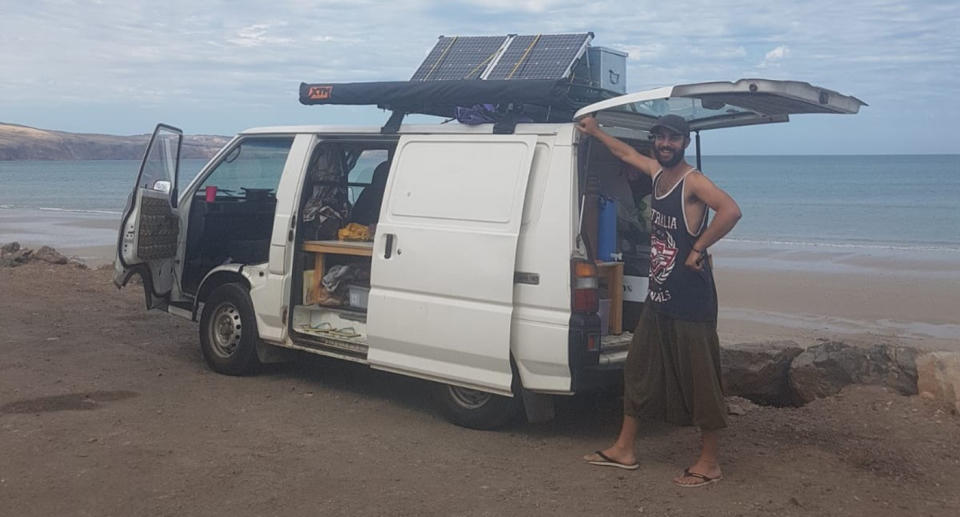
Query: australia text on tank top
pixel 675 289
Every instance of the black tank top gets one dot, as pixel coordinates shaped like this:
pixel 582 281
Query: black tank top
pixel 675 289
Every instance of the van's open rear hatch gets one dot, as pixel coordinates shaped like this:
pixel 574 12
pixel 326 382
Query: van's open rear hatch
pixel 715 105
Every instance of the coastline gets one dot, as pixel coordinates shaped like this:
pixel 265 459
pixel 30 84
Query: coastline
pixel 767 291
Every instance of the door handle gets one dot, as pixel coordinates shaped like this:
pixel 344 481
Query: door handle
pixel 389 246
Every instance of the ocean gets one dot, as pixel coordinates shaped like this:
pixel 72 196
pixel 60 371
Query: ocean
pixel 874 201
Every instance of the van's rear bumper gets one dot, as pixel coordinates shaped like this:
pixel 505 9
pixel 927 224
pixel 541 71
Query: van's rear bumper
pixel 613 350
pixel 595 362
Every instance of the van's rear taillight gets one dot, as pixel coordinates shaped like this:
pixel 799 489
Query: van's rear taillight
pixel 585 300
pixel 585 284
pixel 584 340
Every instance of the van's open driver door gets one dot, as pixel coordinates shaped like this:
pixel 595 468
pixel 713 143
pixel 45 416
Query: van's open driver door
pixel 441 297
pixel 150 226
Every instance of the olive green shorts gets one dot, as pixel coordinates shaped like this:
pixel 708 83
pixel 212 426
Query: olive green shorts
pixel 673 372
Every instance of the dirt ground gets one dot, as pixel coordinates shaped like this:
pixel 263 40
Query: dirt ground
pixel 106 409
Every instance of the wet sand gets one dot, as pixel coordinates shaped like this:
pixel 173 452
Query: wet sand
pixel 864 308
pixel 88 236
pixel 802 293
pixel 855 294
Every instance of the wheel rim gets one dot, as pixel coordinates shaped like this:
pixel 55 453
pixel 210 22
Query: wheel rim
pixel 467 398
pixel 226 329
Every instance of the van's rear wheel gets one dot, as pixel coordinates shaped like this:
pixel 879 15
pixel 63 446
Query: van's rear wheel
pixel 228 331
pixel 475 409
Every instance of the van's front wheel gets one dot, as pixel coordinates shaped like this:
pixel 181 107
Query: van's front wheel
pixel 475 409
pixel 228 331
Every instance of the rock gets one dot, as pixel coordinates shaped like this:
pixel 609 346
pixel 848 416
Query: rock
pixel 50 255
pixel 819 371
pixel 891 366
pixel 15 258
pixel 938 378
pixel 824 370
pixel 758 371
pixel 739 406
pixel 12 254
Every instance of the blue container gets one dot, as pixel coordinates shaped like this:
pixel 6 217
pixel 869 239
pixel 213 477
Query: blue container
pixel 607 230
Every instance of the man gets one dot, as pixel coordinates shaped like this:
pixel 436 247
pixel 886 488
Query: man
pixel 673 364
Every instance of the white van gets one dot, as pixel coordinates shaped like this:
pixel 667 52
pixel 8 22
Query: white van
pixel 479 276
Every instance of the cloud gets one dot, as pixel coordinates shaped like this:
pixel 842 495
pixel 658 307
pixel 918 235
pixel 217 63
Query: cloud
pixel 531 6
pixel 643 53
pixel 776 55
pixel 720 52
pixel 257 35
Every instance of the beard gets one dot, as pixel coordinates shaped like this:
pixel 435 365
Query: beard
pixel 676 158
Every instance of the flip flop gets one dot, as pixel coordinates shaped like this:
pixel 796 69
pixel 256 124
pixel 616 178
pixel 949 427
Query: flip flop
pixel 607 461
pixel 704 479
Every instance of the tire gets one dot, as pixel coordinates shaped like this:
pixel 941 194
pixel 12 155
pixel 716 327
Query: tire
pixel 475 409
pixel 228 331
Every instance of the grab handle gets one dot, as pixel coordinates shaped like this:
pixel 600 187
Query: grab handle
pixel 389 246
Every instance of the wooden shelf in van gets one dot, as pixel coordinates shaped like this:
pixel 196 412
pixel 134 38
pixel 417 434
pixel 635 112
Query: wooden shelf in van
pixel 321 249
pixel 360 248
pixel 613 271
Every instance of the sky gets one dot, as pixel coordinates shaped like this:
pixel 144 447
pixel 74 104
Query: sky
pixel 218 66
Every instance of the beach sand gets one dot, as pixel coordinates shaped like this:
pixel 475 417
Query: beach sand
pixel 108 409
pixel 768 292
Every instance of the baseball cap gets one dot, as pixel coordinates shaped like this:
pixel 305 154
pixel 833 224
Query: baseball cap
pixel 674 123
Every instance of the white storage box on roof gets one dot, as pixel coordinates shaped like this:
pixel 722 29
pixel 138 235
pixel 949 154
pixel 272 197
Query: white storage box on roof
pixel 608 69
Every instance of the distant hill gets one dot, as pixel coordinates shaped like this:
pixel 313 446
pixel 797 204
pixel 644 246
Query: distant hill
pixel 27 143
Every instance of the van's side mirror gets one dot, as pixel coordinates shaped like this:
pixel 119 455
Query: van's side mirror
pixel 162 186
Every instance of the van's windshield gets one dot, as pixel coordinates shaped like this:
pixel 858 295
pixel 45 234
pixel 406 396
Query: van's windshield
pixel 254 165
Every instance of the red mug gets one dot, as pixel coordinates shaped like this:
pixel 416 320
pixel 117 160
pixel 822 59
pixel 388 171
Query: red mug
pixel 211 194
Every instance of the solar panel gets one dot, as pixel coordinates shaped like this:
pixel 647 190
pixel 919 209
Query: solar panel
pixel 547 56
pixel 459 57
pixel 542 56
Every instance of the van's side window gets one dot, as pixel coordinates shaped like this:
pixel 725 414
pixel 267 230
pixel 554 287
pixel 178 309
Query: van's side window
pixel 254 165
pixel 361 175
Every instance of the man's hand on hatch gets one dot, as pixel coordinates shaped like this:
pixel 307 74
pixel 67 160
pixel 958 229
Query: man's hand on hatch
pixel 588 125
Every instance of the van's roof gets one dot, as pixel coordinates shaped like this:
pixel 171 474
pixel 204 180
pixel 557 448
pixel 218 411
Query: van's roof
pixel 449 128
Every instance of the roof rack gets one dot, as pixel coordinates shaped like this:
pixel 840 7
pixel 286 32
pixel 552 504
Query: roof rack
pixel 499 79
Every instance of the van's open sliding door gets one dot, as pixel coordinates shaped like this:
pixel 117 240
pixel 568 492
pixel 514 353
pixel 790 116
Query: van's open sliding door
pixel 441 297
